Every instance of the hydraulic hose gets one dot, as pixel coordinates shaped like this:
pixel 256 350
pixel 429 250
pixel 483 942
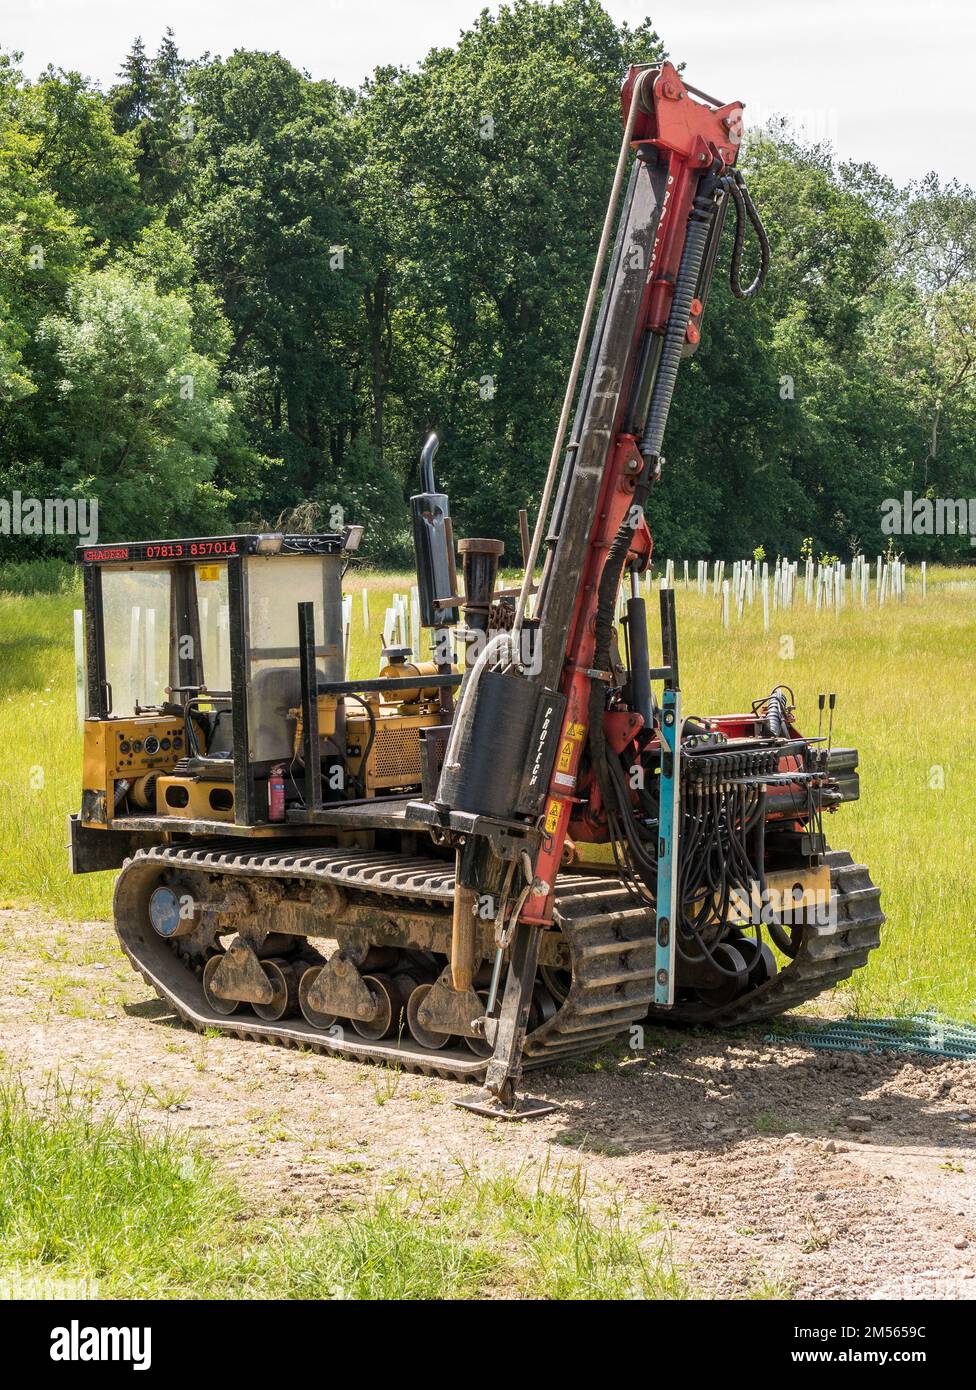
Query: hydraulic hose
pixel 777 714
pixel 462 712
pixel 745 208
pixel 692 256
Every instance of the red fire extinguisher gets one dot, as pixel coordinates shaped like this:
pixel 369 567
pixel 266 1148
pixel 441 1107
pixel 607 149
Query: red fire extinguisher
pixel 276 793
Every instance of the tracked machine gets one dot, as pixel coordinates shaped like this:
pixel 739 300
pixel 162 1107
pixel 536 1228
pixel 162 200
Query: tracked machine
pixel 506 852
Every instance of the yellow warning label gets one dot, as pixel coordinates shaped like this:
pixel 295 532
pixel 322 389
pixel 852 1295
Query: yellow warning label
pixel 552 817
pixel 567 747
pixel 206 572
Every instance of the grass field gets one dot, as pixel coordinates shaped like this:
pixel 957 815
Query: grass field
pixel 90 1196
pixel 906 699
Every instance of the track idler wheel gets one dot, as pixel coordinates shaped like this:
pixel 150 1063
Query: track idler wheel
pixel 558 983
pixel 543 1008
pixel 219 1005
pixel 285 985
pixel 313 1016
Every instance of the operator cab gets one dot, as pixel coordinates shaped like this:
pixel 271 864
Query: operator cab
pixel 217 698
pixel 192 668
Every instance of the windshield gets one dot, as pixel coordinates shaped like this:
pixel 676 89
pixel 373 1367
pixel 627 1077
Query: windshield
pixel 136 617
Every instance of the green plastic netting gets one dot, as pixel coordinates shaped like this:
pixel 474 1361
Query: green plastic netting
pixel 927 1033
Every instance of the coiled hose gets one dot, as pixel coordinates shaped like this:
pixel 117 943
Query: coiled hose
pixel 745 208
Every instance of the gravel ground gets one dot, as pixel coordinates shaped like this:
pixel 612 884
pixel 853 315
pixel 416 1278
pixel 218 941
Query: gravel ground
pixel 780 1171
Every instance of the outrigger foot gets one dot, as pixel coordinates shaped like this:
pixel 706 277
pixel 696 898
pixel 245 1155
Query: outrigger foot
pixel 494 1107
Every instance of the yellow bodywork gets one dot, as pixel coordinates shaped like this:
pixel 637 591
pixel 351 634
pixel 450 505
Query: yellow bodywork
pixel 797 890
pixel 790 895
pixel 190 798
pixel 394 757
pixel 115 751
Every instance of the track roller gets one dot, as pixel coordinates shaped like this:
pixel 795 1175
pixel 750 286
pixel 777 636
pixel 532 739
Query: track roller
pixel 220 1006
pixel 285 986
pixel 313 1016
pixel 425 1036
pixel 387 1016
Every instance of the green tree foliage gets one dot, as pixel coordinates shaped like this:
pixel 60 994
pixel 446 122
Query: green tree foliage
pixel 111 343
pixel 132 98
pixel 487 175
pixel 82 160
pixel 135 415
pixel 269 216
pixel 338 272
pixel 149 103
pixel 42 247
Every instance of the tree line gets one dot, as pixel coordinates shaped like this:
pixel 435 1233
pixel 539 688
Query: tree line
pixel 228 290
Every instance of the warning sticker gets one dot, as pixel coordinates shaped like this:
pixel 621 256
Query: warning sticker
pixel 568 746
pixel 552 817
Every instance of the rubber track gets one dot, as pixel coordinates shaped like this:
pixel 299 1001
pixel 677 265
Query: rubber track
pixel 611 950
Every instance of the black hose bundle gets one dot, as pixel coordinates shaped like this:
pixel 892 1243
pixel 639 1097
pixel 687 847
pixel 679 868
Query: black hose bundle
pixel 721 862
pixel 745 208
pixel 776 709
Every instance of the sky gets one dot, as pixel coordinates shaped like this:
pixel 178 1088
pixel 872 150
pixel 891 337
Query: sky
pixel 889 82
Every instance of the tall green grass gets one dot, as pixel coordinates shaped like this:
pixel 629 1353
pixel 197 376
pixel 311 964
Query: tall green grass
pixel 84 1195
pixel 907 700
pixel 91 1195
pixel 40 765
pixel 904 676
pixel 38 577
